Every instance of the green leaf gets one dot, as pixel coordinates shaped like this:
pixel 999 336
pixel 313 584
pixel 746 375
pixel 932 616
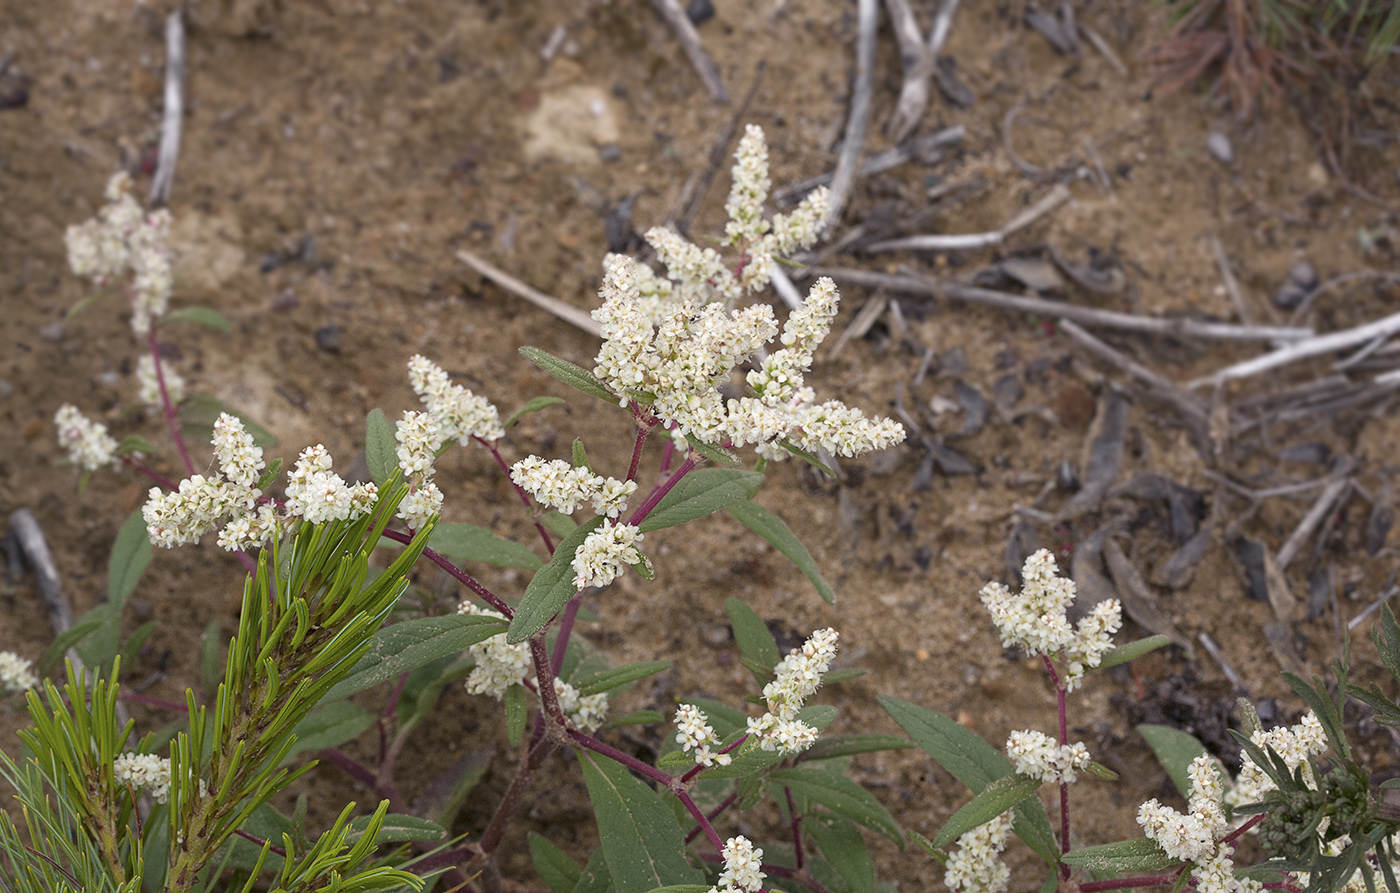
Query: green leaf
pixel 844 674
pixel 133 444
pixel 551 588
pixel 718 455
pixel 53 655
pixel 683 888
pixel 1175 750
pixel 610 679
pixel 842 796
pixel 702 493
pixel 580 455
pixel 927 846
pixel 270 474
pixel 773 529
pixel 843 847
pixel 558 523
pixel 381 449
pixel 516 711
pixel 755 641
pixel 975 763
pixel 131 552
pixel 100 647
pixel 575 377
pixel 637 718
pixel 200 316
pixel 1132 651
pixel 642 841
pixel 559 873
pixel 807 457
pixel 132 646
pixel 990 802
pixel 199 413
pixel 1124 857
pixel 534 405
pixel 406 646
pixel 846 745
pixel 595 877
pixel 396 829
pixel 330 726
pixel 467 542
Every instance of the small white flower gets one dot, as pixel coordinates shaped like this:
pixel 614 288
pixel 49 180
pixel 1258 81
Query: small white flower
pixel 499 665
pixel 419 435
pixel 1295 744
pixel 148 383
pixel 317 494
pixel 420 505
pixel 16 673
pixel 1037 755
pixel 1190 836
pixel 586 711
pixel 977 867
pixel 693 732
pixel 460 413
pixel 604 553
pixel 88 444
pixel 123 241
pixel 240 459
pixel 797 676
pixel 742 866
pixel 144 770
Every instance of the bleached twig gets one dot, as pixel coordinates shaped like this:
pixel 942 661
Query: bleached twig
pixel 1304 349
pixel 965 241
pixel 910 282
pixel 1232 285
pixel 782 284
pixel 1103 47
pixel 919 147
pixel 567 312
pixel 868 20
pixel 919 61
pixel 173 118
pixel 1324 504
pixel 705 67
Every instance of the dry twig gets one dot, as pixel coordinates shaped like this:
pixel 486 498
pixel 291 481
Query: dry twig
pixel 1304 349
pixel 1330 497
pixel 567 312
pixel 1047 204
pixel 868 18
pixel 919 60
pixel 675 16
pixel 173 118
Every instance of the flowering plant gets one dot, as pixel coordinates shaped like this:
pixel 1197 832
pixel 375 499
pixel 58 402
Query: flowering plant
pixel 190 808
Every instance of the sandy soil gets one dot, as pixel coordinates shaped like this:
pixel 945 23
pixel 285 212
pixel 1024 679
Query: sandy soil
pixel 337 152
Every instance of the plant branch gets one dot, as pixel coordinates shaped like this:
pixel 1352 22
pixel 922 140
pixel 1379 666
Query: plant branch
pixel 166 405
pixel 519 491
pixel 800 855
pixel 714 813
pixel 656 495
pixel 457 573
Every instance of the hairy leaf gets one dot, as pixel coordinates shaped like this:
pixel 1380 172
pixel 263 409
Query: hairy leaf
pixel 575 377
pixel 330 726
pixel 1175 750
pixel 1132 651
pixel 610 679
pixel 553 865
pixel 381 450
pixel 990 802
pixel 840 795
pixel 532 406
pixel 780 536
pixel 551 588
pixel 702 493
pixel 844 848
pixel 516 711
pixel 131 552
pixel 1126 856
pixel 756 643
pixel 467 542
pixel 405 646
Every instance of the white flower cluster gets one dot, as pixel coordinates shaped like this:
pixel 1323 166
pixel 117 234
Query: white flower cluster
pixel 742 867
pixel 562 487
pixel 122 239
pixel 419 435
pixel 1037 755
pixel 460 413
pixel 499 665
pixel 1197 836
pixel 88 444
pixel 16 673
pixel 1035 619
pixel 694 732
pixel 605 552
pixel 317 494
pixel 676 365
pixel 1295 745
pixel 977 866
pixel 1190 836
pixel 798 676
pixel 148 383
pixel 144 770
pixel 199 505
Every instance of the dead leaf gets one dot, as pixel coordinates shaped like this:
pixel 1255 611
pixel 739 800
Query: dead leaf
pixel 1138 601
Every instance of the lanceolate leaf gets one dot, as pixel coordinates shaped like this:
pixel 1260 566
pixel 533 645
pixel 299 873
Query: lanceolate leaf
pixel 717 455
pixel 575 377
pixel 534 405
pixel 642 841
pixel 844 848
pixel 381 452
pixel 1133 650
pixel 130 554
pixel 397 829
pixel 553 865
pixel 1124 857
pixel 1175 750
pixel 611 679
pixel 200 315
pixel 842 796
pixel 595 877
pixel 467 542
pixel 755 641
pixel 134 444
pixel 845 745
pixel 406 646
pixel 992 801
pixel 975 763
pixel 702 493
pixel 777 533
pixel 330 726
pixel 551 588
pixel 516 710
pixel 53 654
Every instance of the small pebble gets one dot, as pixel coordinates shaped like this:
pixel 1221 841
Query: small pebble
pixel 1219 146
pixel 1302 281
pixel 597 108
pixel 328 338
pixel 6 389
pixel 609 153
pixel 699 11
pixel 921 654
pixel 53 331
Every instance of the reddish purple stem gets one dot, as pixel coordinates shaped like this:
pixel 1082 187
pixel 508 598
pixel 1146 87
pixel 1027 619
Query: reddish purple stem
pixel 460 575
pixel 167 405
pixel 656 495
pixel 520 491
